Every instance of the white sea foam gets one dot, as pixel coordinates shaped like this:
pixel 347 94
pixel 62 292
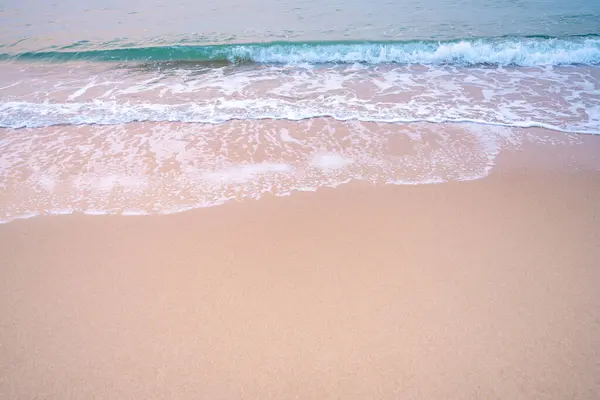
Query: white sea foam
pixel 522 51
pixel 565 99
pixel 162 168
pixel 93 157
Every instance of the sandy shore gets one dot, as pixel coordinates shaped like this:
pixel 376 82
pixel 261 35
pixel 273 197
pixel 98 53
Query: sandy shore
pixel 466 290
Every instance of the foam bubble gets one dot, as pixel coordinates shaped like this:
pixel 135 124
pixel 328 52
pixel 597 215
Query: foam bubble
pixel 330 161
pixel 285 136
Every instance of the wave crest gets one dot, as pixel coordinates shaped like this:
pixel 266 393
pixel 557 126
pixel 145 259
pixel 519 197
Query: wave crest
pixel 531 51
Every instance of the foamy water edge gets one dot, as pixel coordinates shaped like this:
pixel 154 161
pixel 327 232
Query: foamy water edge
pixel 114 180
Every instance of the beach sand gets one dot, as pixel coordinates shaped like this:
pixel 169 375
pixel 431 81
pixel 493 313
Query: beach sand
pixel 484 289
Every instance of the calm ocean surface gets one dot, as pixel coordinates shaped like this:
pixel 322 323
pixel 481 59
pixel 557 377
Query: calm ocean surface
pixel 156 107
pixel 37 24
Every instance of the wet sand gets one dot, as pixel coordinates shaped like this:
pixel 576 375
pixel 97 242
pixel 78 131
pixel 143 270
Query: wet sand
pixel 463 290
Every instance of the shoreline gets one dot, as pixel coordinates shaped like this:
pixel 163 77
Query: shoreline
pixel 463 290
pixel 166 168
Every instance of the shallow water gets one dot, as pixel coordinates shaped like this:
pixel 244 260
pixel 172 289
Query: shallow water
pixel 156 107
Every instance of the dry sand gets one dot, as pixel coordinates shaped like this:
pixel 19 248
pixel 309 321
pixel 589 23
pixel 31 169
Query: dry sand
pixel 476 290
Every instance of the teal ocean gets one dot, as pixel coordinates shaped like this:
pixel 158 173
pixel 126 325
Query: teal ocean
pixel 486 42
pixel 524 51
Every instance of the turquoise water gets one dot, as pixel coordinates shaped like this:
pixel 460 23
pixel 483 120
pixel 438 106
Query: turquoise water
pixel 533 32
pixel 145 107
pixel 498 62
pixel 526 51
